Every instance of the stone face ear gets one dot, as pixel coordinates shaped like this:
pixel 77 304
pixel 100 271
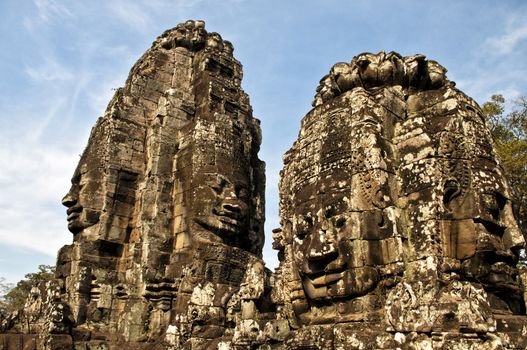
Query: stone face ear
pixel 451 190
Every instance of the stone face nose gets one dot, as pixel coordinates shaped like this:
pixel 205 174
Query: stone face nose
pixel 513 239
pixel 321 248
pixel 69 200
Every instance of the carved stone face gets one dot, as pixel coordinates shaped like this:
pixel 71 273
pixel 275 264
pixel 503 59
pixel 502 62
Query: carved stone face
pixel 340 240
pixel 480 234
pixel 488 243
pixel 341 226
pixel 332 259
pixel 497 244
pixel 84 200
pixel 226 184
pixel 223 205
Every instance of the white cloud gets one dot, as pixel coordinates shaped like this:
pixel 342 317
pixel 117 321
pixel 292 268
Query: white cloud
pixel 33 179
pixel 497 65
pixel 50 70
pixel 506 43
pixel 141 15
pixel 49 9
pixel 495 79
pixel 135 15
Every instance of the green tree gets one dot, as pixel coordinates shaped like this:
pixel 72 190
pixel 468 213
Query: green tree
pixel 509 131
pixel 16 297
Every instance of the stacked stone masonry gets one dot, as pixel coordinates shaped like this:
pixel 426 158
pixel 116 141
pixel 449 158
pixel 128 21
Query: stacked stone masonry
pixel 396 229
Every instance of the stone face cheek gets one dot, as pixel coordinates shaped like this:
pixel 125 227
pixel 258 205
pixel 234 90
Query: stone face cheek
pixel 396 226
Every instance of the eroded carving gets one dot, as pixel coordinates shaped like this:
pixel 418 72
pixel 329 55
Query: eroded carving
pixel 167 204
pixel 369 70
pixel 395 215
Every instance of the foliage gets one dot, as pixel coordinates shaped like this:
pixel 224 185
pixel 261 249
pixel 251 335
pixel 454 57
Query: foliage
pixel 509 131
pixel 16 297
pixel 4 289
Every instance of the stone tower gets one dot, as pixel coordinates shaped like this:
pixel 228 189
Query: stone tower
pixel 397 229
pixel 166 207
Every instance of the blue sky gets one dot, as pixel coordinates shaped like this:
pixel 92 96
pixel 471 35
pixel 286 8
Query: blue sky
pixel 61 59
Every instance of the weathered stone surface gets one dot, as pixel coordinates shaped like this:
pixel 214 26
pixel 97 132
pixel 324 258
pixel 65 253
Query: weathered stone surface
pixel 166 209
pixel 396 223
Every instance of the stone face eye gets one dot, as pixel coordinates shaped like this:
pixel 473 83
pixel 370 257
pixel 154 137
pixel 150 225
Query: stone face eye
pixel 494 203
pixel 340 222
pixel 329 212
pixel 217 189
pixel 217 185
pixel 301 234
pixel 303 227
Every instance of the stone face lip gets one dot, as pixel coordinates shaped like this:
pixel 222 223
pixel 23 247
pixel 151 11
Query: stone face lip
pixel 396 222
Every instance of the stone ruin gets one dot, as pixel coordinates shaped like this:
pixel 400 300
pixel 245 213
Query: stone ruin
pixel 396 223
